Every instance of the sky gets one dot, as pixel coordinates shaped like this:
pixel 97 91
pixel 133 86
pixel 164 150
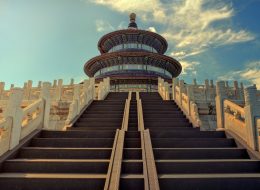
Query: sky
pixel 52 39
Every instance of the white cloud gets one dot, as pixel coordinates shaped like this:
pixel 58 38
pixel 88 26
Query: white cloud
pixel 189 67
pixel 188 23
pixel 250 74
pixel 152 29
pixel 102 26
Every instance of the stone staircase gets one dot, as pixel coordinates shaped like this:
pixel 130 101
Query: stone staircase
pixel 80 158
pixel 74 159
pixel 188 159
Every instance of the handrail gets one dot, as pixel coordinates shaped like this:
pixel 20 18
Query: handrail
pixel 126 115
pixel 150 162
pixel 109 173
pixel 150 174
pixel 234 106
pixel 140 115
pixel 113 177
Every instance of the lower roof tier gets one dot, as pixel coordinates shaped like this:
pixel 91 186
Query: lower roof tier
pixel 137 77
pixel 121 58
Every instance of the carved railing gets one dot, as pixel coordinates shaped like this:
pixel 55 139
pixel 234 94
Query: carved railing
pixel 235 119
pixel 239 118
pixel 18 122
pixel 21 117
pixel 81 100
pixel 103 88
pixel 163 89
pixel 5 130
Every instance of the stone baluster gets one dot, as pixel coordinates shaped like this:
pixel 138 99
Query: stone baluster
pixel 166 91
pixel 58 90
pixel 86 85
pixel 211 84
pixel 54 84
pixel 71 82
pixel 2 89
pixel 220 97
pixel 92 84
pixel 190 97
pixel 242 91
pixel 226 84
pixel 194 82
pixel 39 84
pixel 45 95
pixel 206 90
pixel 190 92
pixel 29 89
pixel 76 97
pixel 174 84
pixel 252 110
pixel 15 112
pixel 182 86
pixel 237 93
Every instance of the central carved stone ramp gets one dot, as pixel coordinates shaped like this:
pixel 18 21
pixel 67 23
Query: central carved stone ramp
pixel 132 165
pixel 187 158
pixel 76 159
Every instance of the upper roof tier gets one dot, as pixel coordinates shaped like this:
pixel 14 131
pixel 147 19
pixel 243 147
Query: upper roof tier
pixel 132 38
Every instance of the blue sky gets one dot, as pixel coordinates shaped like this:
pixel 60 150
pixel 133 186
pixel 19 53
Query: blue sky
pixel 52 39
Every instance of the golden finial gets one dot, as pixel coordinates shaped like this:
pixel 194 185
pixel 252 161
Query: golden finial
pixel 132 17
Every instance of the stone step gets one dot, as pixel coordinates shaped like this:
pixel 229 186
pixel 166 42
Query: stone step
pixel 78 134
pixel 199 153
pixel 132 154
pixel 218 181
pixel 64 153
pixel 103 128
pixel 90 120
pixel 207 166
pixel 73 142
pixel 132 167
pixel 132 181
pixel 192 143
pixel 55 166
pixel 161 125
pixel 104 115
pixel 187 134
pixel 32 181
pixel 132 143
pixel 98 124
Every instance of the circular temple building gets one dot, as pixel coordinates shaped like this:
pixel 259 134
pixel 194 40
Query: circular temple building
pixel 133 59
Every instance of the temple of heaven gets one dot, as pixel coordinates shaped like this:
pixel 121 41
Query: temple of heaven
pixel 133 59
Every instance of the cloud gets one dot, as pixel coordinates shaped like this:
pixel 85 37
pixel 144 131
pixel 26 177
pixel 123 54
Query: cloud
pixel 189 68
pixel 190 26
pixel 152 29
pixel 250 74
pixel 102 26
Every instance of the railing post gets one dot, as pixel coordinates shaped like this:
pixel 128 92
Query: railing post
pixel 76 97
pixel 174 83
pixel 15 112
pixel 251 111
pixel 181 85
pixel 221 95
pixel 45 95
pixel 72 82
pixel 39 84
pixel 2 88
pixel 237 93
pixel 58 91
pixel 206 90
pixel 189 97
pixel 166 91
